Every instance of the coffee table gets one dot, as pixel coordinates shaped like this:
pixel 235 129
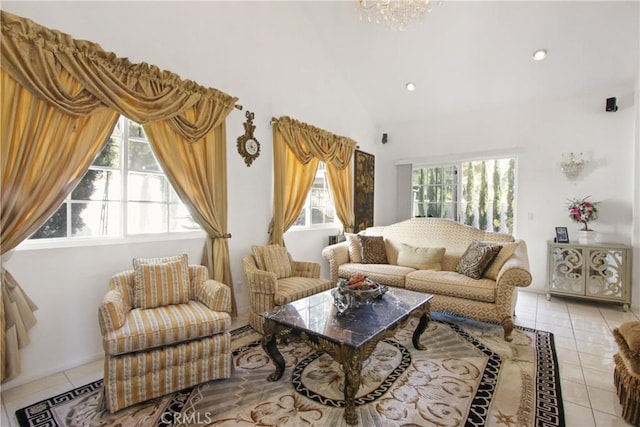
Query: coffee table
pixel 349 338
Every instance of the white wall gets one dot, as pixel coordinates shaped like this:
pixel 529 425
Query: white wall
pixel 540 133
pixel 248 52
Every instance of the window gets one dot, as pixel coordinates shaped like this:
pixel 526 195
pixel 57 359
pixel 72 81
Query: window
pixel 124 192
pixel 477 193
pixel 319 208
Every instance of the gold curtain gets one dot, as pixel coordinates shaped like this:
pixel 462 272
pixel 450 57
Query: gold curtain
pixel 79 85
pixel 37 174
pixel 198 173
pixel 297 149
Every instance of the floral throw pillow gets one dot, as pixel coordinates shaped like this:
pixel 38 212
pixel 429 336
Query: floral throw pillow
pixel 373 250
pixel 477 258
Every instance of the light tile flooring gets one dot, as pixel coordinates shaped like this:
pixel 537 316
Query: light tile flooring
pixel 583 338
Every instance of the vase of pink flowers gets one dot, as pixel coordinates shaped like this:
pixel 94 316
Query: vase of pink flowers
pixel 583 211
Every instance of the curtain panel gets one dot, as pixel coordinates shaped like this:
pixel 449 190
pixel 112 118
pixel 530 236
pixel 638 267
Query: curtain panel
pixel 69 93
pixel 297 149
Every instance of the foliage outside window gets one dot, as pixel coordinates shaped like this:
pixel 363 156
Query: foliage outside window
pixel 477 193
pixel 319 208
pixel 124 192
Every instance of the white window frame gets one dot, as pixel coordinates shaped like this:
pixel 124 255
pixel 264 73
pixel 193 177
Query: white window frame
pixel 125 236
pixel 459 161
pixel 308 211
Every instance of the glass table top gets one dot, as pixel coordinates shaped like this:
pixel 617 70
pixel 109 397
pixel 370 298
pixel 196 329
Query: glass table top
pixel 318 316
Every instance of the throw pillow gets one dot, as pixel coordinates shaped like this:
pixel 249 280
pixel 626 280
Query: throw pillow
pixel 355 250
pixel 158 283
pixel 476 258
pixel 420 258
pixel 373 249
pixel 275 259
pixel 505 253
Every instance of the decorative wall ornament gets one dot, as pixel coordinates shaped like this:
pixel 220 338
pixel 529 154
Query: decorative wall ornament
pixel 248 145
pixel 363 191
pixel 572 164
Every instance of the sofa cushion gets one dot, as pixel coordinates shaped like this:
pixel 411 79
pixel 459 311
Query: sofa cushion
pixel 355 249
pixel 505 253
pixel 294 288
pixel 452 284
pixel 476 259
pixel 373 249
pixel 420 258
pixel 274 259
pixel 155 327
pixel 161 281
pixel 386 274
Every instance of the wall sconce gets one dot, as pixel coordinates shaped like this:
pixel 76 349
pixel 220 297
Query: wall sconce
pixel 572 164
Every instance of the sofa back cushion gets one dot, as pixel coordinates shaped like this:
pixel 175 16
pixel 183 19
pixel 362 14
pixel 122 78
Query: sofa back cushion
pixel 434 233
pixel 420 258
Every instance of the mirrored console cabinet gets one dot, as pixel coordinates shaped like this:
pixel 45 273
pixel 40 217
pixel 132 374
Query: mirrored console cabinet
pixel 598 271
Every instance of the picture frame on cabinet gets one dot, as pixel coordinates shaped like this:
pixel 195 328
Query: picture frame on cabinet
pixel 562 236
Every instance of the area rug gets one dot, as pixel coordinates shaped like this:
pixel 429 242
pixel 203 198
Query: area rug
pixel 467 376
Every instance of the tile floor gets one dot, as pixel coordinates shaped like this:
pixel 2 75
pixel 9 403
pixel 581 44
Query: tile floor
pixel 583 340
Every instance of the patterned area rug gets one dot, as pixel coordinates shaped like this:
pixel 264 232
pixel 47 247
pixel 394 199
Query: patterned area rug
pixel 467 376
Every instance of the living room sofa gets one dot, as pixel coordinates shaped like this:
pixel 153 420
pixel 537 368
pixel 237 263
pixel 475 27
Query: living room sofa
pixel 490 297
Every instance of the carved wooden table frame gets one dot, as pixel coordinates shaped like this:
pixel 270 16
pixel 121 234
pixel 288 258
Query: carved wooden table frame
pixel 349 357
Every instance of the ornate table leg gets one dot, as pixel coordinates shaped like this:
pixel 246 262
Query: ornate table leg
pixel 269 344
pixel 422 326
pixel 352 366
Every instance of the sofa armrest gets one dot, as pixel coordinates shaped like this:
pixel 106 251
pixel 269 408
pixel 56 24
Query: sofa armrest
pixel 215 295
pixel 515 271
pixel 112 312
pixel 305 269
pixel 337 255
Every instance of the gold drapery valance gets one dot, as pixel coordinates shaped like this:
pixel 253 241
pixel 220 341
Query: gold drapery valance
pixel 297 148
pixel 307 141
pixel 33 55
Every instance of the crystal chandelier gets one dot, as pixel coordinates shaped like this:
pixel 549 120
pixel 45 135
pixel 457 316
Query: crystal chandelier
pixel 397 15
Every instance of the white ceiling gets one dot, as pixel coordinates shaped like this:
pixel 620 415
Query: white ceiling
pixel 477 54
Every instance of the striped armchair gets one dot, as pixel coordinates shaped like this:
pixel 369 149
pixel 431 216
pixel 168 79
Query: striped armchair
pixel 271 284
pixel 150 352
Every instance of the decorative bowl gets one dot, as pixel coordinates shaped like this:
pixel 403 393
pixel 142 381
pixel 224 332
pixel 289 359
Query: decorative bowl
pixel 347 295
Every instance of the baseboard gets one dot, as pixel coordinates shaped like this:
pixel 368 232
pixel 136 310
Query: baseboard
pixel 25 378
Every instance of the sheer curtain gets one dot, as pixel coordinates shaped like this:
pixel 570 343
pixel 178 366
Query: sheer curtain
pixel 69 93
pixel 297 148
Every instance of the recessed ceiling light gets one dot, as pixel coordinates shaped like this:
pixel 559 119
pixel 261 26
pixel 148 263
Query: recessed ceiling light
pixel 539 54
pixel 410 87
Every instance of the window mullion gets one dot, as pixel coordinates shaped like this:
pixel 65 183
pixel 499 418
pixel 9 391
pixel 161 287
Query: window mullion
pixel 124 162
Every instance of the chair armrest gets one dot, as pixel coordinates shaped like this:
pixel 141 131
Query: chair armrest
pixel 515 272
pixel 215 295
pixel 305 269
pixel 112 312
pixel 337 255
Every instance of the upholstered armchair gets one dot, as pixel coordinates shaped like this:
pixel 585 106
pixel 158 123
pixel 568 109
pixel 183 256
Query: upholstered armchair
pixel 165 327
pixel 273 278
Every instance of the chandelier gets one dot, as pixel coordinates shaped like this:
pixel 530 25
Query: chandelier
pixel 397 15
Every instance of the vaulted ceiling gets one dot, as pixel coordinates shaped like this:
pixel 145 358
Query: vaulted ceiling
pixel 478 54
